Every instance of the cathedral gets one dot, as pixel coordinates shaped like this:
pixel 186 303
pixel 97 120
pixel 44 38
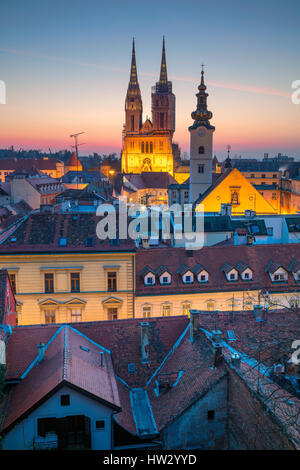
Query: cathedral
pixel 147 146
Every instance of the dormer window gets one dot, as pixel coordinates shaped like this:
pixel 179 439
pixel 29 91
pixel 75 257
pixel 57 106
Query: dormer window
pixel 188 277
pixel 149 279
pixel 276 272
pixel 203 276
pixel 165 278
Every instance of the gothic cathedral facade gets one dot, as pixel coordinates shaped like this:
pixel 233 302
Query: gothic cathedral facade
pixel 148 146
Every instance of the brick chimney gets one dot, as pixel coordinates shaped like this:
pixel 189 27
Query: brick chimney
pixel 41 352
pixel 218 355
pixel 145 342
pixel 194 324
pixel 259 312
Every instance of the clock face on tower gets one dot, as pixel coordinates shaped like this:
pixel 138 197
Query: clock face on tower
pixel 201 132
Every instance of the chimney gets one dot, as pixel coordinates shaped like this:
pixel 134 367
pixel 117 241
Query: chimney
pixel 101 358
pixel 194 324
pixel 218 356
pixel 2 352
pixel 41 352
pixel 259 312
pixel 236 360
pixel 145 342
pixel 217 336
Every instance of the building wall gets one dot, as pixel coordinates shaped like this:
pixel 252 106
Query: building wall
pixel 193 429
pixel 22 190
pixel 23 435
pixel 223 301
pixel 249 424
pixel 29 271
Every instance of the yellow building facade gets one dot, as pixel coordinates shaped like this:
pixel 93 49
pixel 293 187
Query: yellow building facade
pixel 148 146
pixel 233 188
pixel 55 288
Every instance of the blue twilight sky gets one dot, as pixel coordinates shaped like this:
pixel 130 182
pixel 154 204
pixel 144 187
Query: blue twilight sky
pixel 66 68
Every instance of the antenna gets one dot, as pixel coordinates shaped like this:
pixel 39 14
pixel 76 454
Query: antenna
pixel 76 145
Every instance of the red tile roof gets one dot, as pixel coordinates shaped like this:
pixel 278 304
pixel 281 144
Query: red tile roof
pixel 41 232
pixel 213 259
pixel 28 163
pixel 65 363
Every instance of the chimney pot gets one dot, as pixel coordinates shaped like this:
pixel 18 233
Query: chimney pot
pixel 145 342
pixel 194 323
pixel 236 360
pixel 41 352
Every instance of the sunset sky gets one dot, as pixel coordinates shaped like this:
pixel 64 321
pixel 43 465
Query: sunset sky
pixel 66 68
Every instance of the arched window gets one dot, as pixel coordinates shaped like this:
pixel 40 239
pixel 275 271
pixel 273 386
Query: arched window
pixel 201 149
pixel 132 123
pixel 147 147
pixel 151 147
pixel 143 147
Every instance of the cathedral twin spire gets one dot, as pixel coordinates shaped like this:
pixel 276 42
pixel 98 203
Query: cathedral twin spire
pixel 163 78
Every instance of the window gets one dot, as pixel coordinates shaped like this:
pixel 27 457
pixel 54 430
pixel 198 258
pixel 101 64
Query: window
pixel 75 282
pixel 201 168
pixel 165 280
pixel 279 277
pixel 112 313
pixel 151 147
pixel 210 306
pixel 274 176
pixel 161 120
pixel 186 307
pixel 274 196
pixel 149 280
pixel 49 315
pixel 166 310
pixel 76 315
pixel 211 415
pixel 270 231
pixel 252 175
pixel 49 283
pixel 100 425
pixel 234 197
pixel 132 123
pixel 65 400
pixel 147 311
pixel 186 195
pixel 246 276
pixel 202 278
pixel 201 149
pixel 232 276
pixel 263 175
pixel 143 147
pixel 12 278
pixel 46 425
pixel 111 281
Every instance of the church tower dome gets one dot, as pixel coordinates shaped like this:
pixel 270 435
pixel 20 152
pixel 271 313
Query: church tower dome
pixel 201 145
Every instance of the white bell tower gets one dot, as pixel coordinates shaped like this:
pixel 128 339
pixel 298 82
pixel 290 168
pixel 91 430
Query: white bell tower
pixel 201 146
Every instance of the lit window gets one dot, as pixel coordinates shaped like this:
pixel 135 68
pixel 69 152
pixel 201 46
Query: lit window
pixel 147 311
pixel 186 307
pixel 210 305
pixel 166 310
